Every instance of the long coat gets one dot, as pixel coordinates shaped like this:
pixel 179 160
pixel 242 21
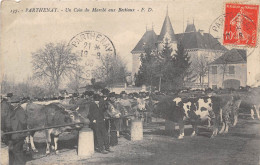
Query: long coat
pixel 96 113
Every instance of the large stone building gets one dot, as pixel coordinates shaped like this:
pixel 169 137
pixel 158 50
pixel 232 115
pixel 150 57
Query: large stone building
pixel 229 70
pixel 201 47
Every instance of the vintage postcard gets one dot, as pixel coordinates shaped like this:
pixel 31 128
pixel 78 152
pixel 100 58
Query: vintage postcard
pixel 130 82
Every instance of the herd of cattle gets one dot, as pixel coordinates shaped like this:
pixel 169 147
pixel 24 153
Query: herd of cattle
pixel 216 108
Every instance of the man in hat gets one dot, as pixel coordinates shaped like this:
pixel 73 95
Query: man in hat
pixel 97 120
pixel 105 92
pixel 89 95
pixel 18 120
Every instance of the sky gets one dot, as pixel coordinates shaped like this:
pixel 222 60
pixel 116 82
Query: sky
pixel 24 33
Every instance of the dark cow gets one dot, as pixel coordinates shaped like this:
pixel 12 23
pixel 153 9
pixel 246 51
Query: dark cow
pixel 225 108
pixel 234 110
pixel 219 110
pixel 193 110
pixel 250 101
pixel 41 116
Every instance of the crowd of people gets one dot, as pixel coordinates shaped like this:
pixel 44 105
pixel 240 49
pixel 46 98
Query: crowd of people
pixel 108 127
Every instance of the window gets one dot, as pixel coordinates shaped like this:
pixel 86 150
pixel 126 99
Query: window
pixel 214 70
pixel 214 87
pixel 231 69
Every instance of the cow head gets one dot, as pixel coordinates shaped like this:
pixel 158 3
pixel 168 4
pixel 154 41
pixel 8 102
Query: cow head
pixel 74 117
pixel 112 111
pixel 141 104
pixel 83 112
pixel 177 100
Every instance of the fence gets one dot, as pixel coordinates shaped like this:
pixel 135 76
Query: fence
pixel 39 129
pixel 196 85
pixel 117 90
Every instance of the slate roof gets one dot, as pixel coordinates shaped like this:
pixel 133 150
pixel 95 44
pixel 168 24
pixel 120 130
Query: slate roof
pixel 149 39
pixel 196 40
pixel 191 39
pixel 190 28
pixel 233 56
pixel 167 28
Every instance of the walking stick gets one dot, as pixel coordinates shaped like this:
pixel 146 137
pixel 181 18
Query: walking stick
pixel 146 122
pixel 109 129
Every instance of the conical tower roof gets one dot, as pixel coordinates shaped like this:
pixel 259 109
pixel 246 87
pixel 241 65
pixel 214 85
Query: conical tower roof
pixel 148 40
pixel 167 32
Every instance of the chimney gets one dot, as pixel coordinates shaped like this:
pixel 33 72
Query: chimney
pixel 201 32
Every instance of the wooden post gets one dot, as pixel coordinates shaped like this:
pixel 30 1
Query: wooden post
pixel 86 142
pixel 109 130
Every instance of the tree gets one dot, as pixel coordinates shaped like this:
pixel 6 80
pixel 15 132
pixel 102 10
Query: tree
pixel 76 81
pixel 113 70
pixel 225 59
pixel 181 64
pixel 166 66
pixel 200 66
pixel 148 69
pixel 6 85
pixel 118 71
pixel 173 67
pixel 54 62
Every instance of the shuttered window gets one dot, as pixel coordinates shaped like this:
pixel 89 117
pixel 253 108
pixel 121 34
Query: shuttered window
pixel 214 69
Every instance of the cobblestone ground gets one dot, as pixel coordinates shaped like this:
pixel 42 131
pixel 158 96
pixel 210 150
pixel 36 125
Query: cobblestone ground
pixel 240 146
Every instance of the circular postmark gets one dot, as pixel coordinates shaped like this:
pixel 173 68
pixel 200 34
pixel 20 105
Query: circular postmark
pixel 94 50
pixel 216 30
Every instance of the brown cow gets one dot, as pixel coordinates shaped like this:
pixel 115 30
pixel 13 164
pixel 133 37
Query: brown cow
pixel 41 116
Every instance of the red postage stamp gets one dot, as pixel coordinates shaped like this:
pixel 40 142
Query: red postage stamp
pixel 241 24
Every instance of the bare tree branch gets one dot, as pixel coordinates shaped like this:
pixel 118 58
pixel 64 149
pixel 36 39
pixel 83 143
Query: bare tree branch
pixel 55 62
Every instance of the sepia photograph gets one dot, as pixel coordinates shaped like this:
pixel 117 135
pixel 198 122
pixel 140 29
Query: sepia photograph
pixel 130 82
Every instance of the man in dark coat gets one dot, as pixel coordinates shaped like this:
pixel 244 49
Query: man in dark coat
pixel 97 120
pixel 16 153
pixel 14 119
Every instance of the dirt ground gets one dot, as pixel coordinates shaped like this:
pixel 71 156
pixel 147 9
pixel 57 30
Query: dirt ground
pixel 240 146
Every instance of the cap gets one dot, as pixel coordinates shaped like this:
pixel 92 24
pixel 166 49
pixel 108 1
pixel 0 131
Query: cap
pixel 96 97
pixel 105 91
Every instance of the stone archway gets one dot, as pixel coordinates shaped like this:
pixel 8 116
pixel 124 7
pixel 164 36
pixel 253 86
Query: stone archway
pixel 231 83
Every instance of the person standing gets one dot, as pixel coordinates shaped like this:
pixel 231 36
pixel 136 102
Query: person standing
pixel 97 120
pixel 18 122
